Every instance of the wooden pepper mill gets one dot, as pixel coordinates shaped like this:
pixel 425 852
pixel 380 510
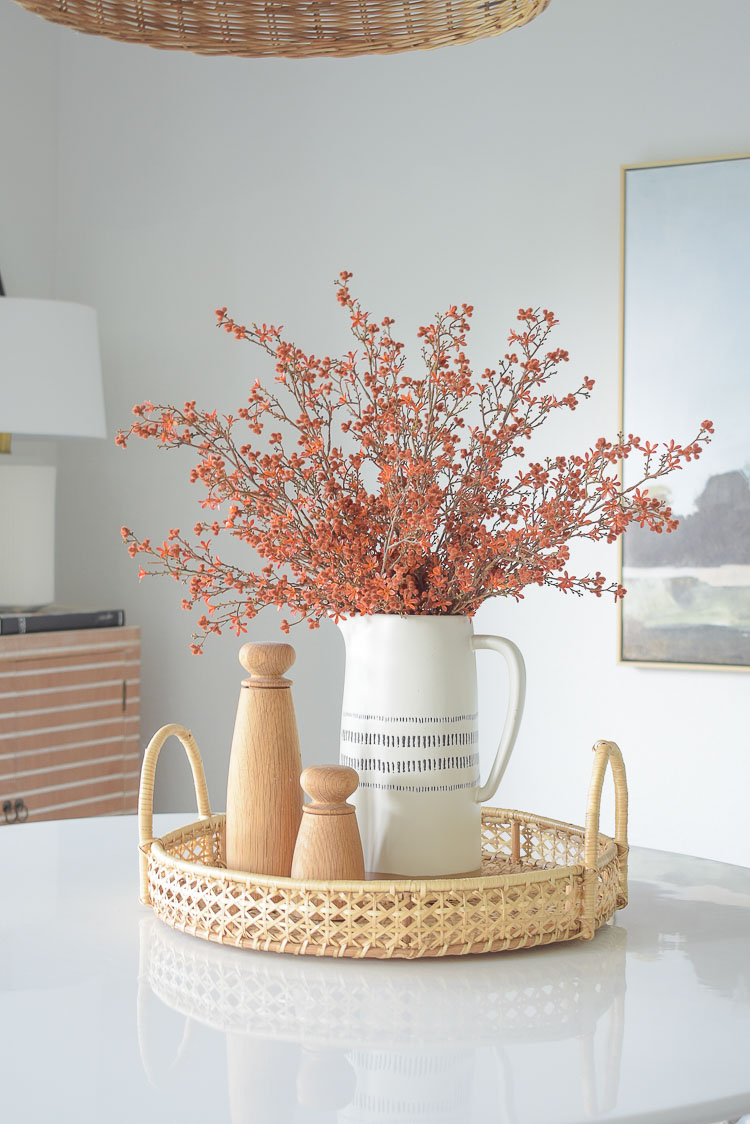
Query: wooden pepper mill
pixel 328 845
pixel 264 798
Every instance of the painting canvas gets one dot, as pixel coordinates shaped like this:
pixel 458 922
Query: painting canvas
pixel 686 298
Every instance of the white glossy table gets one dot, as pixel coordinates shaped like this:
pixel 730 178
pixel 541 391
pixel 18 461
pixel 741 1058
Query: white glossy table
pixel 108 1015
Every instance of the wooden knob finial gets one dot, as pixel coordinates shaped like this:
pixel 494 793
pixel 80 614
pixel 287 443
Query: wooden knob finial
pixel 266 664
pixel 329 785
pixel 328 844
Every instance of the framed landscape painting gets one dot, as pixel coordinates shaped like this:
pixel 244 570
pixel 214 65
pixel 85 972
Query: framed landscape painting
pixel 686 357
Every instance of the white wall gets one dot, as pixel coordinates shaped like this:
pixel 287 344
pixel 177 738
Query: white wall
pixel 489 174
pixel 28 153
pixel 28 175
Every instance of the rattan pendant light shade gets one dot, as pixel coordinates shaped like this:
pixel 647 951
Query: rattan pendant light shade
pixel 291 28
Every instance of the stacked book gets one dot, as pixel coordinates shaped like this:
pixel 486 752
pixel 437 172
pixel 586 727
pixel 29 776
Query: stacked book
pixel 56 618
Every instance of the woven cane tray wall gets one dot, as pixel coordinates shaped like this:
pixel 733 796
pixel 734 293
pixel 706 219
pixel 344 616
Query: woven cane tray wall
pixel 542 881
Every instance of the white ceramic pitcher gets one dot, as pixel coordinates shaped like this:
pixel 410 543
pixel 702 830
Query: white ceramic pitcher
pixel 409 728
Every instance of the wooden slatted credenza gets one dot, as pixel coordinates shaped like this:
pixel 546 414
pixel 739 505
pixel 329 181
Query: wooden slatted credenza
pixel 69 724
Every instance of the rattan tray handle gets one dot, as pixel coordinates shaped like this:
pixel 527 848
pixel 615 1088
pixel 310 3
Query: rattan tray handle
pixel 146 791
pixel 605 753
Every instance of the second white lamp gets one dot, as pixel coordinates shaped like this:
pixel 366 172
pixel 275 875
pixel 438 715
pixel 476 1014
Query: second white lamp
pixel 50 386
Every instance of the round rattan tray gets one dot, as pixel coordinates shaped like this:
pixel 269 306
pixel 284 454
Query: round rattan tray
pixel 542 881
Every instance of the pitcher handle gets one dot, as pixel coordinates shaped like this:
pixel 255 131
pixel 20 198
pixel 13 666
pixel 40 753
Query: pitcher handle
pixel 517 695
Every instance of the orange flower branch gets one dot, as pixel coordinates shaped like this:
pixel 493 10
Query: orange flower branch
pixel 363 488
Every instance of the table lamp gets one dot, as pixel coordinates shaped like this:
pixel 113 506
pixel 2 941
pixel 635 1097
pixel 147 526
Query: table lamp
pixel 50 386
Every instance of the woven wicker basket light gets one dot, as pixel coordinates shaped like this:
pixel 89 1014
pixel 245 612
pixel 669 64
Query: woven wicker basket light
pixel 291 28
pixel 542 881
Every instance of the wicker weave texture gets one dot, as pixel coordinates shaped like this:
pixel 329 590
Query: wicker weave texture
pixel 291 28
pixel 532 903
pixel 542 881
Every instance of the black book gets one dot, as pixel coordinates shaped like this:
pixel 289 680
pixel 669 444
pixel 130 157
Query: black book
pixel 54 619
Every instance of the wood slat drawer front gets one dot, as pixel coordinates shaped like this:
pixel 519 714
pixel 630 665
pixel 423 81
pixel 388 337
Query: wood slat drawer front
pixel 70 722
pixel 17 681
pixel 30 781
pixel 73 792
pixel 83 732
pixel 64 806
pixel 67 699
pixel 8 784
pixel 51 672
pixel 61 718
pixel 56 756
pixel 70 644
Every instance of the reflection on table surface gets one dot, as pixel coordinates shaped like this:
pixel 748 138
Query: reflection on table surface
pixel 399 1042
pixel 109 1015
pixel 507 1035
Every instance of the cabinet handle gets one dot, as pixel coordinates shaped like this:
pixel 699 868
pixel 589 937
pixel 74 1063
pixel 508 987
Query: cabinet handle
pixel 7 809
pixel 22 812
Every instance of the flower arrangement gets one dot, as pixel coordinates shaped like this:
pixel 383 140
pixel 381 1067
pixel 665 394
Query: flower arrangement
pixel 365 489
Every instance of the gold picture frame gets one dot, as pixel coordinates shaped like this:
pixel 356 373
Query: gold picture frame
pixel 685 245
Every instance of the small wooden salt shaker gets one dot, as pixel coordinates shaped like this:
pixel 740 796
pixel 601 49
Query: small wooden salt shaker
pixel 328 845
pixel 264 798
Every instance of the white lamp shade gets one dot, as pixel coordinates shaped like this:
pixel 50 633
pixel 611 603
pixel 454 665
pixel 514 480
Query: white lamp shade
pixel 50 369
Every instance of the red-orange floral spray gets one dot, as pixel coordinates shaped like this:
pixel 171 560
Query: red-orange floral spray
pixel 378 491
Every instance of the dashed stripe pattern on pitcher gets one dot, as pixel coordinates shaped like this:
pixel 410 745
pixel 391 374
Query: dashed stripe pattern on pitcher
pixel 399 754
